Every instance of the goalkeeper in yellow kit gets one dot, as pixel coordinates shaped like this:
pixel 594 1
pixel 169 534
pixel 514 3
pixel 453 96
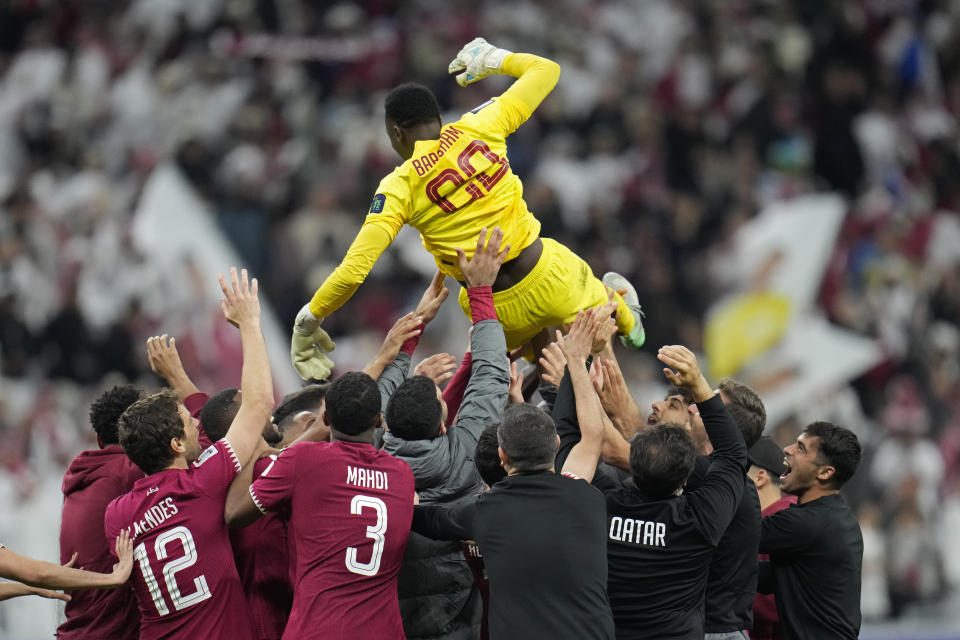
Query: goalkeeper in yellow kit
pixel 455 180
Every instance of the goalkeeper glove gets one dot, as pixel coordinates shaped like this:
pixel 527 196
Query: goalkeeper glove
pixel 478 59
pixel 309 347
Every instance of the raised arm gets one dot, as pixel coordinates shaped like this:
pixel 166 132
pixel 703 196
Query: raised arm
pixel 46 575
pixel 165 362
pixel 486 393
pixel 392 363
pixel 714 502
pixel 405 331
pixel 453 393
pixel 387 215
pixel 536 76
pixel 583 457
pixel 241 307
pixel 239 509
pixel 616 400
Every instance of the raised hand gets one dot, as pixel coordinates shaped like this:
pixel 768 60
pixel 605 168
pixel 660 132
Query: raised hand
pixel 615 397
pixel 163 356
pixel 577 344
pixel 310 345
pixel 515 392
pixel 165 361
pixel 240 304
pixel 606 331
pixel 402 330
pixel 477 59
pixel 481 270
pixel 439 368
pixel 124 565
pixel 432 298
pixel 683 370
pixel 552 363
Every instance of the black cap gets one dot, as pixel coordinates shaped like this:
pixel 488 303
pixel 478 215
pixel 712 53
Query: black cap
pixel 767 455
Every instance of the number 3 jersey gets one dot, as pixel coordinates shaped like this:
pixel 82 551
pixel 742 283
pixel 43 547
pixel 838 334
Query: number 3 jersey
pixel 184 574
pixel 350 508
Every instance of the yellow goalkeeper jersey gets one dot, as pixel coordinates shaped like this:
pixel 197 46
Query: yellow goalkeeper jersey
pixel 452 187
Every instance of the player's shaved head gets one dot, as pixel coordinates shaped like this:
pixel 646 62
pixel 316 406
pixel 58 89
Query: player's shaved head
pixel 353 404
pixel 218 413
pixel 414 411
pixel 411 104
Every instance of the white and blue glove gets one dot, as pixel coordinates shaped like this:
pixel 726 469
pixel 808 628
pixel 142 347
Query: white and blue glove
pixel 309 347
pixel 478 59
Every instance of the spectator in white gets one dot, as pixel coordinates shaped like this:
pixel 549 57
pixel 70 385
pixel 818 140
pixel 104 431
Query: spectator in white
pixel 874 596
pixel 907 454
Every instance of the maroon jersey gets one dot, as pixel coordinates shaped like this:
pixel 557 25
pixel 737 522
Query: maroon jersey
pixel 194 404
pixel 93 479
pixel 185 579
pixel 263 560
pixel 351 507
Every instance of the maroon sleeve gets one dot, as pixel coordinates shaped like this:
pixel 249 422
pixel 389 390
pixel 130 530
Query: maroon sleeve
pixel 111 526
pixel 453 394
pixel 261 465
pixel 216 467
pixel 481 304
pixel 272 490
pixel 194 403
pixel 410 345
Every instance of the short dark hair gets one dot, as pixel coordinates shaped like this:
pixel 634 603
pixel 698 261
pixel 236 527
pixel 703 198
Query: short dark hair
pixel 411 104
pixel 146 429
pixel 839 448
pixel 107 409
pixel 414 411
pixel 746 408
pixel 528 435
pixel 353 403
pixel 487 458
pixel 218 413
pixel 683 392
pixel 310 398
pixel 661 459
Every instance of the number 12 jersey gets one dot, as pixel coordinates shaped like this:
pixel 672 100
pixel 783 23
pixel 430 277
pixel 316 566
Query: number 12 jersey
pixel 184 574
pixel 350 508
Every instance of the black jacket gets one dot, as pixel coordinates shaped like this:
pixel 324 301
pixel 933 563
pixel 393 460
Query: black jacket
pixel 438 597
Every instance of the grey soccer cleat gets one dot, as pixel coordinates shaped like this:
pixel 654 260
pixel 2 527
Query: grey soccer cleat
pixel 636 337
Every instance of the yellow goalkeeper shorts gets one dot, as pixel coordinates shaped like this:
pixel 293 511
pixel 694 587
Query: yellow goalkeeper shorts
pixel 560 285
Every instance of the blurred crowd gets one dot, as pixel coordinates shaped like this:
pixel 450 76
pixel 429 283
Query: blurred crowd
pixel 674 123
